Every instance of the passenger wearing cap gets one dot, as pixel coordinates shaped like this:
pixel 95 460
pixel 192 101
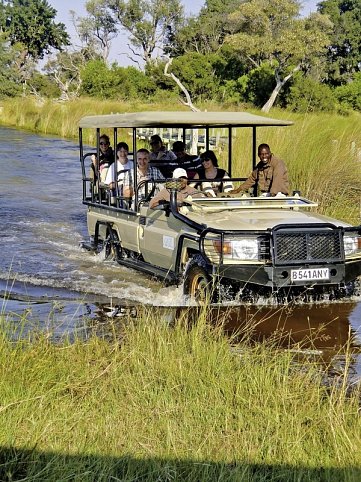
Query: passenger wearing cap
pixel 165 161
pixel 182 194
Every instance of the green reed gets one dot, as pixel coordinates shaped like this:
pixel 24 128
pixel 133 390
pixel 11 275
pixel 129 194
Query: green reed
pixel 154 402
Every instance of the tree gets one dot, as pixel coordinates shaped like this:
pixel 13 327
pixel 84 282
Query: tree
pixel 196 73
pixel 147 22
pixel 30 25
pixel 203 34
pixel 271 31
pixel 65 70
pixel 97 30
pixel 9 79
pixel 345 47
pixel 171 75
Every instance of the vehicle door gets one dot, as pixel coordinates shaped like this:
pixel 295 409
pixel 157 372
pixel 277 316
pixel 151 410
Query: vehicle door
pixel 158 237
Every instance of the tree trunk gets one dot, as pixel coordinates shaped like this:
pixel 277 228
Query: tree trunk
pixel 189 102
pixel 279 84
pixel 273 97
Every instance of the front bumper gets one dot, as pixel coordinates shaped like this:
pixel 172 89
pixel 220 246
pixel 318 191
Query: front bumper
pixel 276 277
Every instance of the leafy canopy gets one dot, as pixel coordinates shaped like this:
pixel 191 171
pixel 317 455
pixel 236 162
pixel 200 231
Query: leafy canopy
pixel 147 22
pixel 271 31
pixel 344 53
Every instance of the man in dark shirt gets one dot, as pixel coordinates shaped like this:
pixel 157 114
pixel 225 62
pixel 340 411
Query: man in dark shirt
pixel 191 163
pixel 165 161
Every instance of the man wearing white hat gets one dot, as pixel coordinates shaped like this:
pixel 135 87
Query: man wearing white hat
pixel 164 194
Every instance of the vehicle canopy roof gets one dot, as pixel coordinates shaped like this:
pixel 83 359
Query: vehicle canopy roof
pixel 180 119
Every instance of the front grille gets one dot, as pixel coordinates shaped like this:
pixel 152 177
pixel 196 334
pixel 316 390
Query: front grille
pixel 264 248
pixel 310 246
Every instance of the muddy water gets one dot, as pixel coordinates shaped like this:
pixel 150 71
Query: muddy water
pixel 47 277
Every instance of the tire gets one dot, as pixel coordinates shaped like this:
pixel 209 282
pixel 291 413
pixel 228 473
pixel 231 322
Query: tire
pixel 197 282
pixel 113 249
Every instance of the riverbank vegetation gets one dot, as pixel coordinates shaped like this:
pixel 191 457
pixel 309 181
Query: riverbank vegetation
pixel 262 54
pixel 181 403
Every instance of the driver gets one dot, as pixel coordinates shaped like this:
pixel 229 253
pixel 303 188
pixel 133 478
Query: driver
pixel 182 194
pixel 270 175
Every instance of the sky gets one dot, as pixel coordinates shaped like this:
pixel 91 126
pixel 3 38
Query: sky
pixel 63 8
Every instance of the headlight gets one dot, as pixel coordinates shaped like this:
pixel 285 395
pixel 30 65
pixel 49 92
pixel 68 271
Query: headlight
pixel 242 249
pixel 352 244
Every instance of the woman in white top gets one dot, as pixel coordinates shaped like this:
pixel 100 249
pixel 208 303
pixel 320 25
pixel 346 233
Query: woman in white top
pixel 218 179
pixel 117 171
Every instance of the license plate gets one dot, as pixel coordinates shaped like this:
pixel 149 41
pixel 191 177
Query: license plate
pixel 310 274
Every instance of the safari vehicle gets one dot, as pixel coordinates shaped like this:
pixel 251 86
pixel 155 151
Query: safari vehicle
pixel 236 248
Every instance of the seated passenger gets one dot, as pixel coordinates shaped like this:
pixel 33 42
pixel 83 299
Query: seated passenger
pixel 106 159
pixel 165 161
pixel 117 171
pixel 144 172
pixel 185 191
pixel 191 163
pixel 270 176
pixel 218 178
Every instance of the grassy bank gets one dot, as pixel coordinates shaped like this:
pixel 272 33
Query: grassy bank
pixel 322 151
pixel 171 404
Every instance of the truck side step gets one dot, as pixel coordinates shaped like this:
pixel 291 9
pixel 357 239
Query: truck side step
pixel 148 268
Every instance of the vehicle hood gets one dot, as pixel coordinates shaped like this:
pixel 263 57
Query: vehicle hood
pixel 260 219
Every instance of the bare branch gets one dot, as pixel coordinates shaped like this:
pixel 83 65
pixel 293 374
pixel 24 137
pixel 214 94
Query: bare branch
pixel 189 102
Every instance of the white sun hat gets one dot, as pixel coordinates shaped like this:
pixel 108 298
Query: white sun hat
pixel 179 172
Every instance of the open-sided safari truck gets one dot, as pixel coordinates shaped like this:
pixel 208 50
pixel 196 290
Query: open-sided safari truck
pixel 238 247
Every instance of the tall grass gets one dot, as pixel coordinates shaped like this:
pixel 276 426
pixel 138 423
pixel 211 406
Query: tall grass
pixel 323 156
pixel 171 404
pixel 322 151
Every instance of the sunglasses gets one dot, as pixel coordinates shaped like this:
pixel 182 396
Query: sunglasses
pixel 104 143
pixel 206 159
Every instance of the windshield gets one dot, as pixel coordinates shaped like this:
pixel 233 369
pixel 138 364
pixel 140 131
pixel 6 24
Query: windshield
pixel 218 204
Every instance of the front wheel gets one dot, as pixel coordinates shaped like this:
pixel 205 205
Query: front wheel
pixel 197 282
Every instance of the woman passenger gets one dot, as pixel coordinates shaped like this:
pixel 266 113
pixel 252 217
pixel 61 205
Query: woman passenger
pixel 106 158
pixel 123 165
pixel 218 179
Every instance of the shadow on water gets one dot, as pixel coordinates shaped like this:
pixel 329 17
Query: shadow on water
pixel 324 331
pixel 22 464
pixel 322 326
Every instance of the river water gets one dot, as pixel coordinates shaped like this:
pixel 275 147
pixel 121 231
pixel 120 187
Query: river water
pixel 45 275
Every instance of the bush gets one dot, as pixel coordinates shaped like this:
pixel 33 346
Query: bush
pixel 234 90
pixel 197 73
pixel 9 87
pixel 307 95
pixel 44 85
pixel 258 84
pixel 121 83
pixel 349 95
